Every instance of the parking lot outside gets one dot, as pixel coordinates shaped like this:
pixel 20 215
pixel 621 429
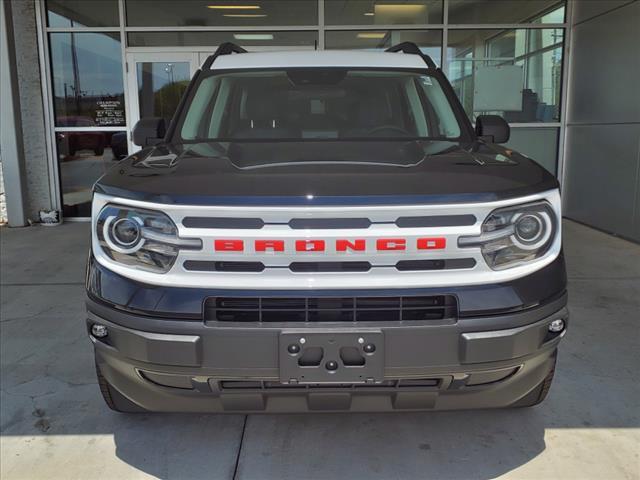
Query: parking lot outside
pixel 54 423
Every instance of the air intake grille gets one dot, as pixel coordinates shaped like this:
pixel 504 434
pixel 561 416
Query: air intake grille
pixel 330 309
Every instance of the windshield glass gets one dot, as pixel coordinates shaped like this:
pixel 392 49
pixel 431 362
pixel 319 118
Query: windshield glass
pixel 319 103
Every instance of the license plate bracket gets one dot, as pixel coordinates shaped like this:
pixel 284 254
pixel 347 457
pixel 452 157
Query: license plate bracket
pixel 331 356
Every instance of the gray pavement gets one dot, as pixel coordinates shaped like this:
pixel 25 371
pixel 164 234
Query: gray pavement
pixel 54 425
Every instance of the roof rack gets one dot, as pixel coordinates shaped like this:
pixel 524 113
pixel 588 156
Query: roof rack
pixel 229 48
pixel 226 48
pixel 412 48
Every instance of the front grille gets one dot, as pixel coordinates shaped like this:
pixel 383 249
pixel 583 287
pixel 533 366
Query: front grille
pixel 436 221
pixel 329 223
pixel 312 267
pixel 223 222
pixel 330 309
pixel 329 267
pixel 212 266
pixel 413 383
pixel 424 265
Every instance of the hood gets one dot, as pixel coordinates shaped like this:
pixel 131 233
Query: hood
pixel 325 173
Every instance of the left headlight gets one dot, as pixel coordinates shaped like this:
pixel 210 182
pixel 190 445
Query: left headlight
pixel 142 239
pixel 515 235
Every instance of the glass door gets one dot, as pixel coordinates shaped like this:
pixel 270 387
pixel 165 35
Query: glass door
pixel 156 82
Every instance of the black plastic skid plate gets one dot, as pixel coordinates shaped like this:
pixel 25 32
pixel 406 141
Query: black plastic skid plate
pixel 302 364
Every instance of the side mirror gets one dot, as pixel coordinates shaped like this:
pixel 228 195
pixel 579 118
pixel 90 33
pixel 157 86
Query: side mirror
pixel 494 128
pixel 149 131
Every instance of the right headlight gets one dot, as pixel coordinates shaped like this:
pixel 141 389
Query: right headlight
pixel 141 239
pixel 515 235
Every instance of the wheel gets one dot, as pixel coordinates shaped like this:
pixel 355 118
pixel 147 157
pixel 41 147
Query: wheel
pixel 114 399
pixel 538 394
pixel 98 151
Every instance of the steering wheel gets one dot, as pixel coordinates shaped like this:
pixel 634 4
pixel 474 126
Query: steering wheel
pixel 390 128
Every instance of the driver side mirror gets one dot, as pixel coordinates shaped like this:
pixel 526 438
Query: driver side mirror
pixel 493 128
pixel 149 131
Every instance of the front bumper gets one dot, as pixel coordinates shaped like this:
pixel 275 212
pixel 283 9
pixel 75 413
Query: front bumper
pixel 474 362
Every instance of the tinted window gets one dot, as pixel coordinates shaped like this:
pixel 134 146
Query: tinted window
pixel 505 11
pixel 157 13
pixel 82 13
pixel 203 39
pixel 515 73
pixel 389 12
pixel 429 41
pixel 87 79
pixel 84 156
pixel 160 87
pixel 319 103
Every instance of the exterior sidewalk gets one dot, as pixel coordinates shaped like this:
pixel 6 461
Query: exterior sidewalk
pixel 54 424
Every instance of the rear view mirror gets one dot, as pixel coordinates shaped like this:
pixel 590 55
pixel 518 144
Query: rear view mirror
pixel 149 131
pixel 493 128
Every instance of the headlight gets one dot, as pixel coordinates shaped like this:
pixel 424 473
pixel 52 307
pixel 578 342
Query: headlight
pixel 515 235
pixel 139 238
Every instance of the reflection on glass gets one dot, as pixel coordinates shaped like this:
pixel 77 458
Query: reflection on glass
pixel 87 79
pixel 160 87
pixel 382 12
pixel 482 65
pixel 506 11
pixel 213 39
pixel 84 157
pixel 430 42
pixel 228 13
pixel 82 13
pixel 540 144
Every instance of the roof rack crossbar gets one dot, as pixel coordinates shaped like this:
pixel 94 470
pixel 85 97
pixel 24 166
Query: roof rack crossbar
pixel 226 48
pixel 412 48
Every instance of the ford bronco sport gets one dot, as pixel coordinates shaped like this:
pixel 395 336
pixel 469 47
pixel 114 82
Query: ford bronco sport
pixel 324 231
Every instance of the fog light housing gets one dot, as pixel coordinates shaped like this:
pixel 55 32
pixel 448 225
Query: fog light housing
pixel 99 331
pixel 556 326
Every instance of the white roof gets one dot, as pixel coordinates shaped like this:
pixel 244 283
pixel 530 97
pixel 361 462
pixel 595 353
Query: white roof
pixel 321 58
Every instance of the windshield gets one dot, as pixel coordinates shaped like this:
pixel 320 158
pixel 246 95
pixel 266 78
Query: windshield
pixel 319 103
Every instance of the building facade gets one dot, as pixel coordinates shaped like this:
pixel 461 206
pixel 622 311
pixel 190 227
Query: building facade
pixel 86 70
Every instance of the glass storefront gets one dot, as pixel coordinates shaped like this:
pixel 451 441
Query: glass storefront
pixel 502 56
pixel 513 73
pixel 201 39
pixel 505 11
pixel 229 13
pixel 387 12
pixel 161 85
pixel 429 41
pixel 83 157
pixel 86 70
pixel 82 13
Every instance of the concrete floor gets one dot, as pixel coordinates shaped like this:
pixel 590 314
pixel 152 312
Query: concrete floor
pixel 54 424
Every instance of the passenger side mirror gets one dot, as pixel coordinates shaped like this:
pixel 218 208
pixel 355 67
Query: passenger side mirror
pixel 494 128
pixel 149 131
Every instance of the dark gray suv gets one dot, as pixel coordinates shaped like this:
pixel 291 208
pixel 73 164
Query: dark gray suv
pixel 324 231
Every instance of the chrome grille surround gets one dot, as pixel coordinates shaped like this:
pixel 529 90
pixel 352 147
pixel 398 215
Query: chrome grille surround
pixel 276 274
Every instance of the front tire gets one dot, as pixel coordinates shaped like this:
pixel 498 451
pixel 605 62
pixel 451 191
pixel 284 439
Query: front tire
pixel 114 399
